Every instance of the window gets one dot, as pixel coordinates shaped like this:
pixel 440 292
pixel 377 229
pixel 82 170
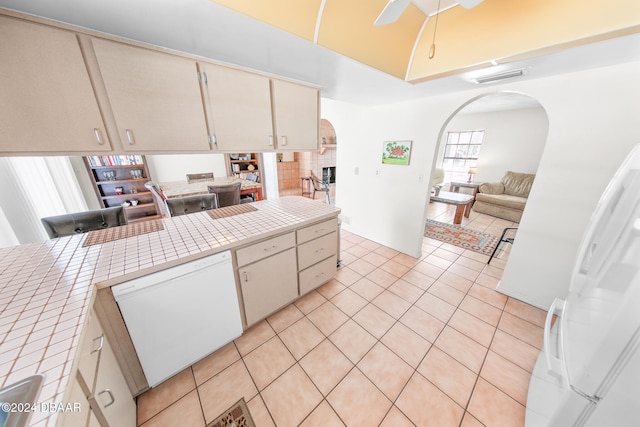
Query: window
pixel 460 153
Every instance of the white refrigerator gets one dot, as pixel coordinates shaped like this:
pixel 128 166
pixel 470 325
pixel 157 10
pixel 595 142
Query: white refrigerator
pixel 588 373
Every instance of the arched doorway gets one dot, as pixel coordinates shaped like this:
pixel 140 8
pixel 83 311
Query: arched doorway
pixel 321 164
pixel 513 130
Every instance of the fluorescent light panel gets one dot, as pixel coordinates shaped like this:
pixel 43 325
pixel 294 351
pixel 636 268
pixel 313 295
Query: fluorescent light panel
pixel 499 76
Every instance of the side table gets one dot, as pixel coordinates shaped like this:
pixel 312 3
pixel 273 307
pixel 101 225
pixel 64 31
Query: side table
pixel 455 186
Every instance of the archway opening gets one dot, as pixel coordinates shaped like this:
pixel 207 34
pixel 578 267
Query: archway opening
pixel 489 139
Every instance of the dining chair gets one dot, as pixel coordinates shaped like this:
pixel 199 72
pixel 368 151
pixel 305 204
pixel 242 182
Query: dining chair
pixel 159 198
pixel 195 177
pixel 191 204
pixel 82 222
pixel 319 185
pixel 504 238
pixel 228 194
pixel 250 198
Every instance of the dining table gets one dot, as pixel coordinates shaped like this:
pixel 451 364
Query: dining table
pixel 172 189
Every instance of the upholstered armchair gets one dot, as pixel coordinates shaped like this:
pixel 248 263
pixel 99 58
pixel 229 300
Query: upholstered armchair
pixel 437 181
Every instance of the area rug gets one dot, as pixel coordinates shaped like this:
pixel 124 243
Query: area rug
pixel 462 237
pixel 116 233
pixel 236 416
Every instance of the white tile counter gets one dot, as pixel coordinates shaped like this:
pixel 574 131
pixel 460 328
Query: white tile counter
pixel 46 289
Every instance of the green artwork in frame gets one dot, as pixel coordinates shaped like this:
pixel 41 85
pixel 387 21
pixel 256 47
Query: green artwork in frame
pixel 396 152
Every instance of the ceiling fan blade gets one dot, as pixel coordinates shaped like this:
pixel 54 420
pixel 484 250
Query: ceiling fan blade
pixel 468 4
pixel 391 12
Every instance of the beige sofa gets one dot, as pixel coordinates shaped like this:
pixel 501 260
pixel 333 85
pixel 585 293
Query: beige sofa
pixel 505 199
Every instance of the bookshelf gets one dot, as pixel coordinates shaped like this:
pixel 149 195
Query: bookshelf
pixel 119 181
pixel 240 165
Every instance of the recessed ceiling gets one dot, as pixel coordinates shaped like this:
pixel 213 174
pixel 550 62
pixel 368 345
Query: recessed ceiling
pixel 495 31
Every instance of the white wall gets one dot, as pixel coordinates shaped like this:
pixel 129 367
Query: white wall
pixel 174 167
pixel 593 121
pixel 513 140
pixel 592 125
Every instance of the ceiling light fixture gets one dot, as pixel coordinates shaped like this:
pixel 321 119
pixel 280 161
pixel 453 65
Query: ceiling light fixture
pixel 432 49
pixel 499 76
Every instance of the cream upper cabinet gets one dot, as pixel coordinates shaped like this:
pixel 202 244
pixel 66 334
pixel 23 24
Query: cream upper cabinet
pixel 239 104
pixel 47 103
pixel 154 96
pixel 297 116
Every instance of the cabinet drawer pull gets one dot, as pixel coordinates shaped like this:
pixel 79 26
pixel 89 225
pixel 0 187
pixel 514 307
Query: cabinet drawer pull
pixel 320 230
pixel 108 391
pixel 320 275
pixel 271 248
pixel 129 136
pixel 96 132
pixel 319 250
pixel 100 340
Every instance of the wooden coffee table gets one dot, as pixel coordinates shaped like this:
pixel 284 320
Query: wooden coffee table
pixel 461 201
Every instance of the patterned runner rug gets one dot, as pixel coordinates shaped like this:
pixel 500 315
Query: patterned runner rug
pixel 116 233
pixel 236 416
pixel 230 210
pixel 462 237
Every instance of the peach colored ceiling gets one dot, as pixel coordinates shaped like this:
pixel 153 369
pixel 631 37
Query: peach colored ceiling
pixel 495 30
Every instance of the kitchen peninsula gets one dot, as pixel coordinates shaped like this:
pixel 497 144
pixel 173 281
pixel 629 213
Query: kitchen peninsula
pixel 49 289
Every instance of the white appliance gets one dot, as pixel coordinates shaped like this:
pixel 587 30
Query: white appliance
pixel 589 370
pixel 177 316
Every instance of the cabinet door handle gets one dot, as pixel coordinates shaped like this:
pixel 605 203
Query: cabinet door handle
pixel 270 140
pixel 283 140
pixel 108 391
pixel 129 134
pixel 100 340
pixel 96 132
pixel 246 276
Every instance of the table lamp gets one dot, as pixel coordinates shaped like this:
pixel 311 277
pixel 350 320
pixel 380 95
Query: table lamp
pixel 472 171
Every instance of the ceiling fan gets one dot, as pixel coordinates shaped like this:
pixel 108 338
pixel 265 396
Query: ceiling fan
pixel 394 9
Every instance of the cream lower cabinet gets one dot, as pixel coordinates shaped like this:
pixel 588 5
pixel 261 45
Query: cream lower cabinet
pixel 268 276
pixel 47 103
pixel 76 418
pixel 111 398
pixel 276 271
pixel 98 385
pixel 317 254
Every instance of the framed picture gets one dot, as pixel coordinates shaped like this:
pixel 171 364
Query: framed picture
pixel 396 152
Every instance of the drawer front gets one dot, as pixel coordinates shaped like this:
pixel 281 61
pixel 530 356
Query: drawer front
pixel 90 350
pixel 314 231
pixel 317 274
pixel 264 249
pixel 316 250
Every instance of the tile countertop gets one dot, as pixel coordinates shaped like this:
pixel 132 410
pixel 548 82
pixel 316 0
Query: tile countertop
pixel 46 289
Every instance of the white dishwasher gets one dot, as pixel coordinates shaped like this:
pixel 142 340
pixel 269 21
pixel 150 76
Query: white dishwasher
pixel 177 316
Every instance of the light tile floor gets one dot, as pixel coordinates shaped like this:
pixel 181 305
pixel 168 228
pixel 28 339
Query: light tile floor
pixel 391 341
